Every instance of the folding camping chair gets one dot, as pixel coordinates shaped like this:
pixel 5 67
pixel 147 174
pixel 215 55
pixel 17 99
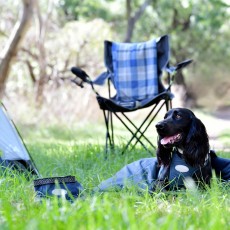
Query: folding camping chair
pixel 135 70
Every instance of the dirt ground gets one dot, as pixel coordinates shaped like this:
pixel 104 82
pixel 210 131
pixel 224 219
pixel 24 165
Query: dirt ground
pixel 219 123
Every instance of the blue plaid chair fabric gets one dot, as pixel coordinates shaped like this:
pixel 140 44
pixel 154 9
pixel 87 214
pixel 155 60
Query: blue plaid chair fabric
pixel 135 70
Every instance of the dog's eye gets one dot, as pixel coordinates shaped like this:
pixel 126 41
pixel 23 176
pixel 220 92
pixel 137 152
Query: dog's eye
pixel 178 116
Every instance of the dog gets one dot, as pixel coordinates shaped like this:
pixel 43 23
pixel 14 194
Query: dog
pixel 182 137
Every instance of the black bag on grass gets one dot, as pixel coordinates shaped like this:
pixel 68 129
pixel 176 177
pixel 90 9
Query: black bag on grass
pixel 63 187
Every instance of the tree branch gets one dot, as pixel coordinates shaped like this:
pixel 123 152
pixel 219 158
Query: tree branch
pixel 14 42
pixel 31 71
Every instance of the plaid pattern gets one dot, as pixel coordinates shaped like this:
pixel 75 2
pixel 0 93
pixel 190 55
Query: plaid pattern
pixel 135 70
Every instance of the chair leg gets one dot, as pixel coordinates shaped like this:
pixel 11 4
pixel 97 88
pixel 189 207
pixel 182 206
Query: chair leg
pixel 138 130
pixel 112 133
pixel 138 134
pixel 109 124
pixel 168 105
pixel 129 131
pixel 142 132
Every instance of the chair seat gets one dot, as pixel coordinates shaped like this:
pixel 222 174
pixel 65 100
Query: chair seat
pixel 116 106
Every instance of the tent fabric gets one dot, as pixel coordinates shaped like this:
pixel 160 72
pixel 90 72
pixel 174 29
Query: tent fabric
pixel 10 144
pixel 13 150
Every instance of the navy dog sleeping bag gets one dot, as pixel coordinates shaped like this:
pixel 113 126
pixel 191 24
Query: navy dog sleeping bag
pixel 144 173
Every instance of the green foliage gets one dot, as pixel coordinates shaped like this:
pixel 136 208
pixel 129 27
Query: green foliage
pixel 225 137
pixel 74 35
pixel 77 9
pixel 197 29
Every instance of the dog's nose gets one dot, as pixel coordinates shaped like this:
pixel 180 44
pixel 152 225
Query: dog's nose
pixel 159 126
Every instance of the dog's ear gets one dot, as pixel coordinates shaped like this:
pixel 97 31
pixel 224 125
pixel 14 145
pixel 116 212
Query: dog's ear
pixel 163 154
pixel 197 143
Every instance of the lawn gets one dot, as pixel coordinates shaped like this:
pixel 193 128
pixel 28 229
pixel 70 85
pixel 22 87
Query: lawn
pixel 80 152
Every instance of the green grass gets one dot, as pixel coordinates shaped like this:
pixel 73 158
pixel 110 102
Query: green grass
pixel 225 137
pixel 61 151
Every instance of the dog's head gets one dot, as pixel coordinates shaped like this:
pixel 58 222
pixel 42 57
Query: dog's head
pixel 182 129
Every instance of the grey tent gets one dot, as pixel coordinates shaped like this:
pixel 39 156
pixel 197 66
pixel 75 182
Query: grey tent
pixel 14 153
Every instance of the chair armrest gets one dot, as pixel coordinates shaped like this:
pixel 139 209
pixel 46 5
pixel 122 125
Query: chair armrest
pixel 183 64
pixel 171 69
pixel 100 80
pixel 81 74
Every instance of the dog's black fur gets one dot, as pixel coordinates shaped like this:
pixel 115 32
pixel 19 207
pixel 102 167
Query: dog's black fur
pixel 183 130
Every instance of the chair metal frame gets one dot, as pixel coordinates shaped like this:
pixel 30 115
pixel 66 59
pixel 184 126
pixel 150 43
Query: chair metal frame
pixel 138 133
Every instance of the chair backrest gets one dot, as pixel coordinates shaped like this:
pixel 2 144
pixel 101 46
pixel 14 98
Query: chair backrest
pixel 136 68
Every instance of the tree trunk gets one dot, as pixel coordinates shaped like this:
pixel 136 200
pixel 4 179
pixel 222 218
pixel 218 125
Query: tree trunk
pixel 186 94
pixel 131 20
pixel 42 60
pixel 14 42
